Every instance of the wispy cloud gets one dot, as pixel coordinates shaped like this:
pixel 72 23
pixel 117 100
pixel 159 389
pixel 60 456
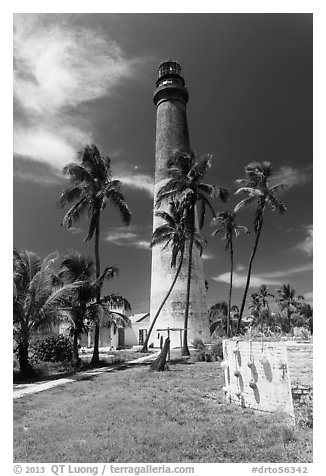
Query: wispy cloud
pixel 131 177
pixel 292 176
pixel 75 230
pixel 142 244
pixel 208 256
pixel 271 278
pixel 130 236
pixel 41 174
pixel 58 66
pixel 306 245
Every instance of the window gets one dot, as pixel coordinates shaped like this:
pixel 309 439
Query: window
pixel 142 336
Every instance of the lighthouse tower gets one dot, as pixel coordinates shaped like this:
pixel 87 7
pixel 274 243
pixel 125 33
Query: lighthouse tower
pixel 170 98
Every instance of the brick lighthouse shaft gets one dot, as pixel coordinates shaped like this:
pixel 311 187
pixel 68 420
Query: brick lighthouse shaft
pixel 170 98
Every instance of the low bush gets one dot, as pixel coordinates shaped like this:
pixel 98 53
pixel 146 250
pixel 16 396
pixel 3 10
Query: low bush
pixel 52 349
pixel 217 350
pixel 198 344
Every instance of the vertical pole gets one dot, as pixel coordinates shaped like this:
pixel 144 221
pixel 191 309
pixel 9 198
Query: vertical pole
pixel 169 344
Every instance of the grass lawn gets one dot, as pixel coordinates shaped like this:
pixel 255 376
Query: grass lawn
pixel 139 416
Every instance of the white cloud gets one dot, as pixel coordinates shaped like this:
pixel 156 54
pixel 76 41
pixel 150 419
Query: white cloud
pixel 138 181
pixel 142 244
pixel 127 237
pixel 75 230
pixel 207 256
pixel 271 278
pixel 58 66
pixel 292 176
pixel 131 176
pixel 120 238
pixel 307 244
pixel 43 146
pixel 239 281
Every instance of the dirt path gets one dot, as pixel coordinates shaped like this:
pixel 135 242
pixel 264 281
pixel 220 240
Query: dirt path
pixel 26 388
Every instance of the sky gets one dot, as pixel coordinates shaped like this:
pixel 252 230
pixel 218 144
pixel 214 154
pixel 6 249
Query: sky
pixel 89 78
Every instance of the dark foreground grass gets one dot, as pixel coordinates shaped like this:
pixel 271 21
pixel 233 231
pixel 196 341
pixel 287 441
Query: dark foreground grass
pixel 139 416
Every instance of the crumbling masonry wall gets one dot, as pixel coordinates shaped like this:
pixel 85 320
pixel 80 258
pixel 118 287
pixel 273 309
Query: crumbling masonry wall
pixel 268 376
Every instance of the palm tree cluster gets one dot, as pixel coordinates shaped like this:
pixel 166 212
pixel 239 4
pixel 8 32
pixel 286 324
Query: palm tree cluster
pixel 188 197
pixel 43 296
pixel 293 311
pixel 290 311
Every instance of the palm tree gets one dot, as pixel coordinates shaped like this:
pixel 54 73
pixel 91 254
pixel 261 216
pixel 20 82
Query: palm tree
pixel 174 234
pixel 218 317
pixel 84 306
pixel 306 313
pixel 75 267
pixel 257 187
pixel 264 295
pixel 289 302
pixel 228 226
pixel 39 300
pixel 92 188
pixel 186 172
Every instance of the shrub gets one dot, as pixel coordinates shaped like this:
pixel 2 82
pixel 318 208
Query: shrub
pixel 52 349
pixel 204 355
pixel 198 344
pixel 217 350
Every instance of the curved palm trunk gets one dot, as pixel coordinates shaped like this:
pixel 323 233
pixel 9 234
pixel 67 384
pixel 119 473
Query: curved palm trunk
pixel 75 355
pixel 249 274
pixel 228 322
pixel 160 363
pixel 96 358
pixel 185 350
pixel 145 348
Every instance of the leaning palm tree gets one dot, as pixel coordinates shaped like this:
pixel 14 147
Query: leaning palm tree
pixel 289 301
pixel 228 226
pixel 174 234
pixel 92 187
pixel 186 173
pixel 256 185
pixel 84 305
pixel 39 300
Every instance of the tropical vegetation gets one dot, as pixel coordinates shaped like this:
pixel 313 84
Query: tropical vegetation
pixel 40 300
pixel 85 310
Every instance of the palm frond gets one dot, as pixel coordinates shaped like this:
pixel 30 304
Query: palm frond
pixel 115 301
pixel 79 175
pixel 70 195
pixel 117 199
pixel 245 202
pixel 75 213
